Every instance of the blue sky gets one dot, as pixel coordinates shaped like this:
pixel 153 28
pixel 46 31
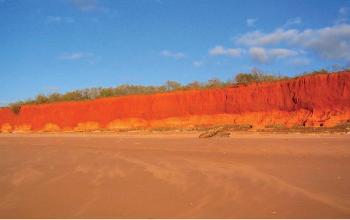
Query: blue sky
pixel 60 45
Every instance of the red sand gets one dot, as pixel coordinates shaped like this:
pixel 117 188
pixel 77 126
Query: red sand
pixel 312 100
pixel 174 176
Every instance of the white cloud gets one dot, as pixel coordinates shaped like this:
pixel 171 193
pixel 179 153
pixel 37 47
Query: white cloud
pixel 282 53
pixel 251 22
pixel 329 42
pixel 293 21
pixel 198 63
pixel 58 20
pixel 258 54
pixel 299 61
pixel 175 55
pixel 263 55
pixel 89 5
pixel 342 15
pixel 343 10
pixel 221 51
pixel 75 56
pixel 257 38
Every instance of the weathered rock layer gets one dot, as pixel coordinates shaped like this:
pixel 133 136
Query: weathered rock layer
pixel 318 100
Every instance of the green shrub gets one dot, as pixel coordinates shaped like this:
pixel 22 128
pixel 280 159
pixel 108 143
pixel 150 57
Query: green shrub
pixel 41 99
pixel 256 76
pixel 126 89
pixel 16 107
pixel 214 83
pixel 194 85
pixel 172 85
pixel 321 71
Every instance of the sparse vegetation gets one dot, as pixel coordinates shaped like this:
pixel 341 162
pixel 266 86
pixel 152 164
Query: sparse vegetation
pixel 256 76
pixel 321 71
pixel 16 107
pixel 126 89
pixel 122 90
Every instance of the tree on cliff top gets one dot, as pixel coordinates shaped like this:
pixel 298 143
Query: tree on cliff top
pixel 125 89
pixel 172 85
pixel 16 107
pixel 256 76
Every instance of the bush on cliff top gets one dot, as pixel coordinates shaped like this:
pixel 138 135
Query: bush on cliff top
pixel 16 107
pixel 256 76
pixel 122 90
pixel 125 89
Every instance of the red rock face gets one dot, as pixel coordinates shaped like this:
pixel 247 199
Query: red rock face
pixel 307 100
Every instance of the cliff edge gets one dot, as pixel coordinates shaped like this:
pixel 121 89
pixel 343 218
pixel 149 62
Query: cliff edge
pixel 316 100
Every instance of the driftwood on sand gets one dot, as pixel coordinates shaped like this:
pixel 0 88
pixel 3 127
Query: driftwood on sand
pixel 216 132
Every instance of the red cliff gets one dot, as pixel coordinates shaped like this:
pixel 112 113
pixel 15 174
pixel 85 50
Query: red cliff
pixel 318 100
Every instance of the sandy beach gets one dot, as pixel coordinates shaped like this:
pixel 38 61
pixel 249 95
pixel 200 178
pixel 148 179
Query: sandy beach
pixel 174 175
